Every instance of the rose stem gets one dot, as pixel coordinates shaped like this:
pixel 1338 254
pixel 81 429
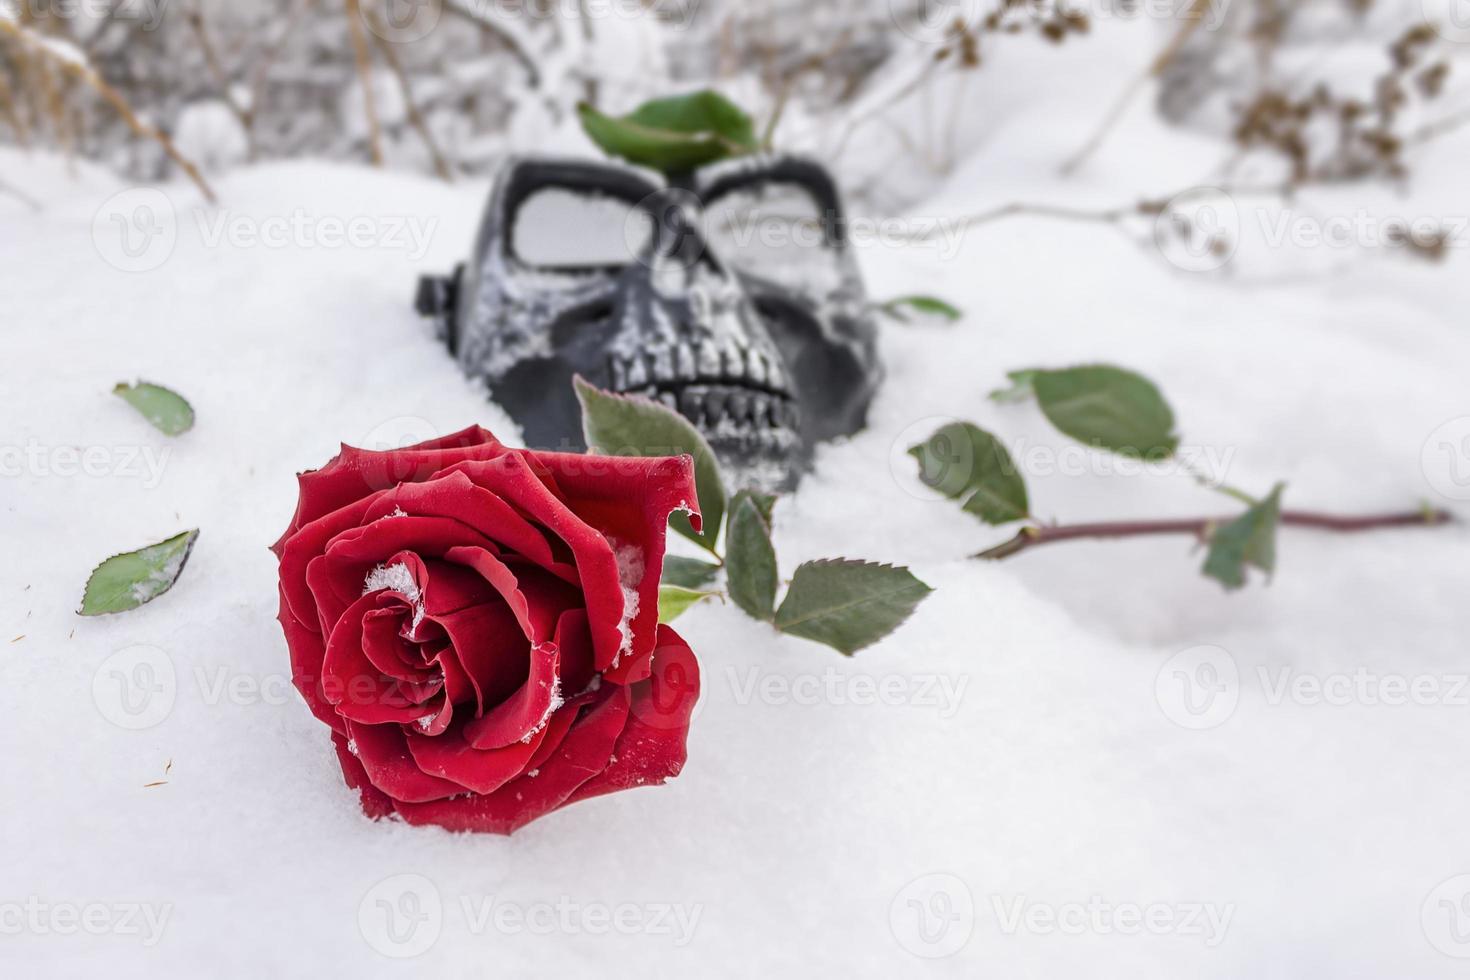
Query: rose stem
pixel 1202 527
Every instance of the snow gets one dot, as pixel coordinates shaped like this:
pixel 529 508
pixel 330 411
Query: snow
pixel 631 568
pixel 817 821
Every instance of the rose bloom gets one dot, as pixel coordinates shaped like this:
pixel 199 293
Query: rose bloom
pixel 478 625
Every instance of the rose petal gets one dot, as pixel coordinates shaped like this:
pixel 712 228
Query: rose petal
pixel 513 479
pixel 357 473
pixel 491 649
pixel 375 803
pixel 582 754
pixel 383 752
pixel 651 748
pixel 451 756
pixel 629 501
pixel 524 712
pixel 307 650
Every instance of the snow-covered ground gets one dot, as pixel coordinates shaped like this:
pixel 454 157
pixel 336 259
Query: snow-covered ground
pixel 1038 791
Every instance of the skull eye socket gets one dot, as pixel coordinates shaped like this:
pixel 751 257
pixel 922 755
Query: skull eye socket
pixel 559 229
pixel 776 230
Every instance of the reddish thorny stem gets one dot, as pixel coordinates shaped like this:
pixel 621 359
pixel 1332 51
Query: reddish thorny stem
pixel 1203 527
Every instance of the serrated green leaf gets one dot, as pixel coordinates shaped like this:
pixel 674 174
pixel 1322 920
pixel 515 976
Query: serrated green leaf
pixel 674 134
pixel 1108 408
pixel 128 580
pixel 1250 539
pixel 674 600
pixel 750 560
pixel 848 604
pixel 165 409
pixel 626 425
pixel 962 460
pixel 689 573
pixel 764 502
pixel 923 305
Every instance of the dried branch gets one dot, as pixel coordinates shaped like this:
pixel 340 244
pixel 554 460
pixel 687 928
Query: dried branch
pixel 415 118
pixel 20 195
pixel 71 64
pixel 1204 527
pixel 517 47
pixel 365 78
pixel 1194 15
pixel 194 16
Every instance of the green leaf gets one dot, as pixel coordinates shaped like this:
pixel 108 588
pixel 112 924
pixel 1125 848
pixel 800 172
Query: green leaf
pixel 673 600
pixel 689 573
pixel 764 502
pixel 1250 539
pixel 626 425
pixel 166 409
pixel 1020 388
pixel 126 581
pixel 1108 408
pixel 924 306
pixel 675 134
pixel 848 604
pixel 750 560
pixel 961 460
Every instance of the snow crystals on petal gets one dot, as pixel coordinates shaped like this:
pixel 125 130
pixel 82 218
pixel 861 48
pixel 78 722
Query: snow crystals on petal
pixel 631 568
pixel 556 702
pixel 397 578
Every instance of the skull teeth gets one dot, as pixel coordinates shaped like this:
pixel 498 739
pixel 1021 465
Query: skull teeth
pixel 721 405
pixel 703 363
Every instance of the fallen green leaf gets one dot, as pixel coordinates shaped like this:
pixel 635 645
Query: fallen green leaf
pixel 126 581
pixel 1108 408
pixel 848 604
pixel 931 306
pixel 962 460
pixel 166 410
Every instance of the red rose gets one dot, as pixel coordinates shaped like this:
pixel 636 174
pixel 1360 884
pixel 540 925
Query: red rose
pixel 479 626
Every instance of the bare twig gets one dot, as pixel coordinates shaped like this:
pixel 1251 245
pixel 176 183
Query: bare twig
pixel 84 72
pixel 22 196
pixel 1204 527
pixel 1193 16
pixel 273 51
pixel 365 79
pixel 472 13
pixel 8 110
pixel 415 117
pixel 194 16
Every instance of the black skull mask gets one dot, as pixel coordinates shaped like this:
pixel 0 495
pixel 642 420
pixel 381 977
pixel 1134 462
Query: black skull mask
pixel 730 295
